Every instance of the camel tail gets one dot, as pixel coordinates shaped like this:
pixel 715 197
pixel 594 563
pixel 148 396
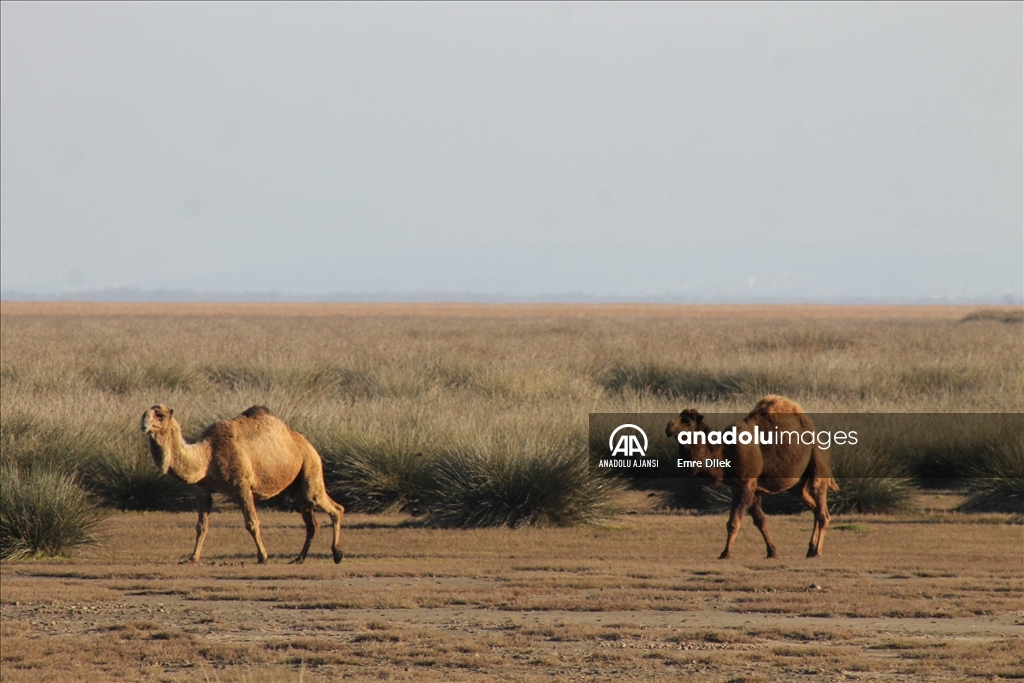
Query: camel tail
pixel 832 485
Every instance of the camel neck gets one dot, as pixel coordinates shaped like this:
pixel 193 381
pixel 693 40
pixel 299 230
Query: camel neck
pixel 702 453
pixel 188 462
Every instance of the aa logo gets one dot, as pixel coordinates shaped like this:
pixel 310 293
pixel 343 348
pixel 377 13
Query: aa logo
pixel 627 445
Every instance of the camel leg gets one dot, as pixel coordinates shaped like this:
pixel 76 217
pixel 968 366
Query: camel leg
pixel 817 503
pixel 336 512
pixel 310 519
pixel 821 519
pixel 204 503
pixel 761 522
pixel 742 498
pixel 315 495
pixel 809 501
pixel 252 523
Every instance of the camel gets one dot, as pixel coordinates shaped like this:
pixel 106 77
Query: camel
pixel 251 457
pixel 753 469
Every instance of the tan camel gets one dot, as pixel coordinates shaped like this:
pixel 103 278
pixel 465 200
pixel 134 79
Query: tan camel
pixel 251 457
pixel 752 469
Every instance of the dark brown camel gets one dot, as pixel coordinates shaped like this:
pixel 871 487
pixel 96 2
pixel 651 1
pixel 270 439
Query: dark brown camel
pixel 753 469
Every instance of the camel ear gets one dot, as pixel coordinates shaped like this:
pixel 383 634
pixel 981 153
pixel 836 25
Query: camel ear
pixel 170 411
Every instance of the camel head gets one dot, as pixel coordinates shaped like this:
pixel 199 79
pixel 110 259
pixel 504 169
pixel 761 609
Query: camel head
pixel 156 420
pixel 157 423
pixel 688 421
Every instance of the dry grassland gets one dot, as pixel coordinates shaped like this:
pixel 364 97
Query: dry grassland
pixel 934 595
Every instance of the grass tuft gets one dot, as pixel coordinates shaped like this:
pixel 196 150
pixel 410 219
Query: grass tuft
pixel 44 513
pixel 519 482
pixel 106 459
pixel 368 474
pixel 998 485
pixel 1015 315
pixel 870 480
pixel 132 482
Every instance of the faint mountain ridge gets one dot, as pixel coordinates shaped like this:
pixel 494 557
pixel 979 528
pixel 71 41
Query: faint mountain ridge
pixel 782 273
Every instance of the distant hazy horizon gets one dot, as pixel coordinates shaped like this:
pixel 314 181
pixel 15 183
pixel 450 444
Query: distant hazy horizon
pixel 763 275
pixel 690 152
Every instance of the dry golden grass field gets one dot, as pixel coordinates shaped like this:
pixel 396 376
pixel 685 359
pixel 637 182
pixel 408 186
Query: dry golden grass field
pixel 933 594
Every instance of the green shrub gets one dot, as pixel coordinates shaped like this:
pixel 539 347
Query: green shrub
pixel 519 482
pixel 44 513
pixel 946 451
pixel 130 481
pixel 871 480
pixel 377 472
pixel 998 484
pixel 106 459
pixel 1003 315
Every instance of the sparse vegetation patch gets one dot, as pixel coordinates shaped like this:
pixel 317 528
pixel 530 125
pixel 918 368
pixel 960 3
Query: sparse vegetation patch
pixel 44 513
pixel 1003 315
pixel 517 482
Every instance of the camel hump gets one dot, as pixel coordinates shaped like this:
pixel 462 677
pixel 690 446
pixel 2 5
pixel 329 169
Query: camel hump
pixel 257 412
pixel 775 404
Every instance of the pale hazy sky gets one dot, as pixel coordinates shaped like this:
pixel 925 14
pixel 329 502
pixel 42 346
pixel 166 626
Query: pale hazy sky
pixel 802 151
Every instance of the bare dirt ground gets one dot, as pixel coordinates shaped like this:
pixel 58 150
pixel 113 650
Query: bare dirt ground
pixel 937 596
